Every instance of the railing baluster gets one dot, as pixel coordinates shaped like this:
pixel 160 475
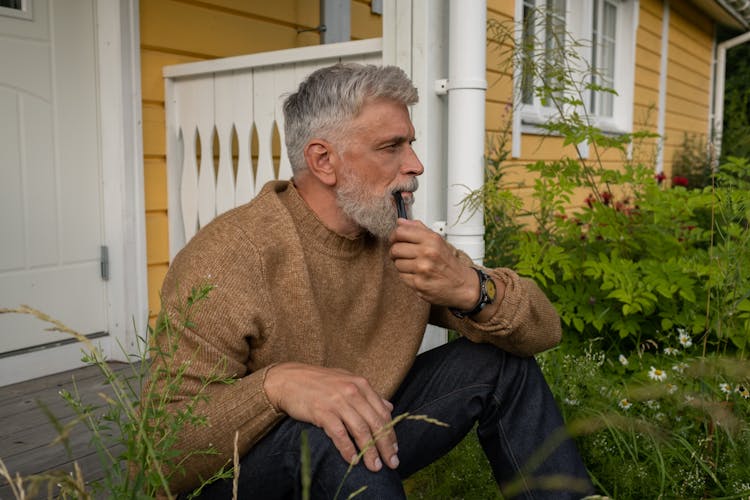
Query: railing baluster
pixel 242 99
pixel 189 183
pixel 264 121
pixel 285 81
pixel 206 174
pixel 223 102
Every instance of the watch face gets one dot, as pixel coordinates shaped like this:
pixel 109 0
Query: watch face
pixel 491 289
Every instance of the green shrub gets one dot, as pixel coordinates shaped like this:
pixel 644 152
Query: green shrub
pixel 640 265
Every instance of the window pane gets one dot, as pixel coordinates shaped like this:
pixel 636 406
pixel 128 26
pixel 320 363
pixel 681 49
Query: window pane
pixel 527 53
pixel 554 57
pixel 12 4
pixel 603 56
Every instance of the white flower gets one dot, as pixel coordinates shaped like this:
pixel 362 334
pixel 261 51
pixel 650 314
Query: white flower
pixel 685 339
pixel 742 392
pixel 689 398
pixel 660 416
pixel 679 367
pixel 656 374
pixel 654 405
pixel 571 402
pixel 624 404
pixel 623 360
pixel 671 351
pixel 671 388
pixel 725 388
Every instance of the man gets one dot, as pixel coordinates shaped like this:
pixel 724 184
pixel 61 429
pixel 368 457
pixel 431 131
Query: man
pixel 320 302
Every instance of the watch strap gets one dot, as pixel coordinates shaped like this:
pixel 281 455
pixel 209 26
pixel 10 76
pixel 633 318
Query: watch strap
pixel 484 298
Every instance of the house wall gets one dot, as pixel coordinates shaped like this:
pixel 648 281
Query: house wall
pixel 181 31
pixel 689 73
pixel 688 79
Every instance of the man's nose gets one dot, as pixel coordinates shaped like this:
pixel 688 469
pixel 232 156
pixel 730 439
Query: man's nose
pixel 411 164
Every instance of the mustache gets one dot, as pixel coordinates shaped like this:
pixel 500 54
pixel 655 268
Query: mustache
pixel 411 186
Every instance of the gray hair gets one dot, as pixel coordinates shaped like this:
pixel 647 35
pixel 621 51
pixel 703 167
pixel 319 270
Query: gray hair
pixel 329 98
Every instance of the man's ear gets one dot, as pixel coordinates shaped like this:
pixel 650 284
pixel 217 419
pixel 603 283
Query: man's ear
pixel 321 159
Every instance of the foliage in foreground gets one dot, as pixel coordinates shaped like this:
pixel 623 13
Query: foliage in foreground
pixel 132 432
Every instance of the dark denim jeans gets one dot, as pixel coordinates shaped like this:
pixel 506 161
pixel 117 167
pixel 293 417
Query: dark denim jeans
pixel 462 384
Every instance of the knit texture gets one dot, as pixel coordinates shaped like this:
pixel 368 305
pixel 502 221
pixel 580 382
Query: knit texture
pixel 287 288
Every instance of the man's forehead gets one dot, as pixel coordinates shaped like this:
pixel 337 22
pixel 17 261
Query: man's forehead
pixel 386 112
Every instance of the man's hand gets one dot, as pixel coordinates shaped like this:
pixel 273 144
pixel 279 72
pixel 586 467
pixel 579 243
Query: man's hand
pixel 344 405
pixel 428 265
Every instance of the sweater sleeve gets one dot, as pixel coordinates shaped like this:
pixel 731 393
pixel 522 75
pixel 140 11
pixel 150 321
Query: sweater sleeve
pixel 211 357
pixel 524 324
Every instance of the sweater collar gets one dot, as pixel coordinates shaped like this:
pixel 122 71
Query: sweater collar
pixel 315 232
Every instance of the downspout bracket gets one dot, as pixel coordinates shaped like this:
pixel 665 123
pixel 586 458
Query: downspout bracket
pixel 441 86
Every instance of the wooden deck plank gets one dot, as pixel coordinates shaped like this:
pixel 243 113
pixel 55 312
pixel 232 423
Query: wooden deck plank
pixel 26 432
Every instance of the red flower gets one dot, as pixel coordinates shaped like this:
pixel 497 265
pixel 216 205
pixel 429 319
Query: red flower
pixel 660 177
pixel 607 197
pixel 679 181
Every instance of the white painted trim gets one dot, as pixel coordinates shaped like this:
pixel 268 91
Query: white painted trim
pixel 428 63
pixel 345 49
pixel 517 124
pixel 122 172
pixel 415 39
pixel 663 65
pixel 45 362
pixel 721 60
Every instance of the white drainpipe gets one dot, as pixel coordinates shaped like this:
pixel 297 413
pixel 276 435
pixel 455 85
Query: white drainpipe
pixel 721 63
pixel 466 88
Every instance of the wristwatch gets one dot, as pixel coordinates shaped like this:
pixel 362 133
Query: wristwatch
pixel 487 295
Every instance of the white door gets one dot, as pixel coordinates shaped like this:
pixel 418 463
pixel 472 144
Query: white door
pixel 50 180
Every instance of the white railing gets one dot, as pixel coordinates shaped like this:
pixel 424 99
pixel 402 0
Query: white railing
pixel 229 98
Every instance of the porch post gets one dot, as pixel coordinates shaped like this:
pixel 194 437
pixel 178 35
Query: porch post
pixel 415 38
pixel 122 174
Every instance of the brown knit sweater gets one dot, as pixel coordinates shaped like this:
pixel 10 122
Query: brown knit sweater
pixel 289 289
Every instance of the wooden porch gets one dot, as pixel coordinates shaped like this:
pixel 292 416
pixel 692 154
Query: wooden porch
pixel 27 434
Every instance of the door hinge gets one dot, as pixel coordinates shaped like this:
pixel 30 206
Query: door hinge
pixel 104 261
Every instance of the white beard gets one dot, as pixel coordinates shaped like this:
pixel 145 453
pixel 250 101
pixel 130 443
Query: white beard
pixel 376 214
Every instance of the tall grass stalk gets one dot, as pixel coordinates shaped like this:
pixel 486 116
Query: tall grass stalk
pixel 135 417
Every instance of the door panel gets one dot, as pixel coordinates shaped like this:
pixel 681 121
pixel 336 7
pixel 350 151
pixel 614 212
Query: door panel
pixel 50 175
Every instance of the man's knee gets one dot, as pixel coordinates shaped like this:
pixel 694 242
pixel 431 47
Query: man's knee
pixel 489 364
pixel 329 471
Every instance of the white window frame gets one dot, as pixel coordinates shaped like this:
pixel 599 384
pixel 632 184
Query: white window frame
pixel 579 20
pixel 23 13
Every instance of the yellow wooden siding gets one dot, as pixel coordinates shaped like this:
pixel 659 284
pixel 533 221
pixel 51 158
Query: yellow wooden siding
pixel 365 24
pixel 181 31
pixel 688 78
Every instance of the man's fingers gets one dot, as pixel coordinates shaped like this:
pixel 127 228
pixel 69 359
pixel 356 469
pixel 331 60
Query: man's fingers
pixel 409 231
pixel 367 421
pixel 344 405
pixel 339 435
